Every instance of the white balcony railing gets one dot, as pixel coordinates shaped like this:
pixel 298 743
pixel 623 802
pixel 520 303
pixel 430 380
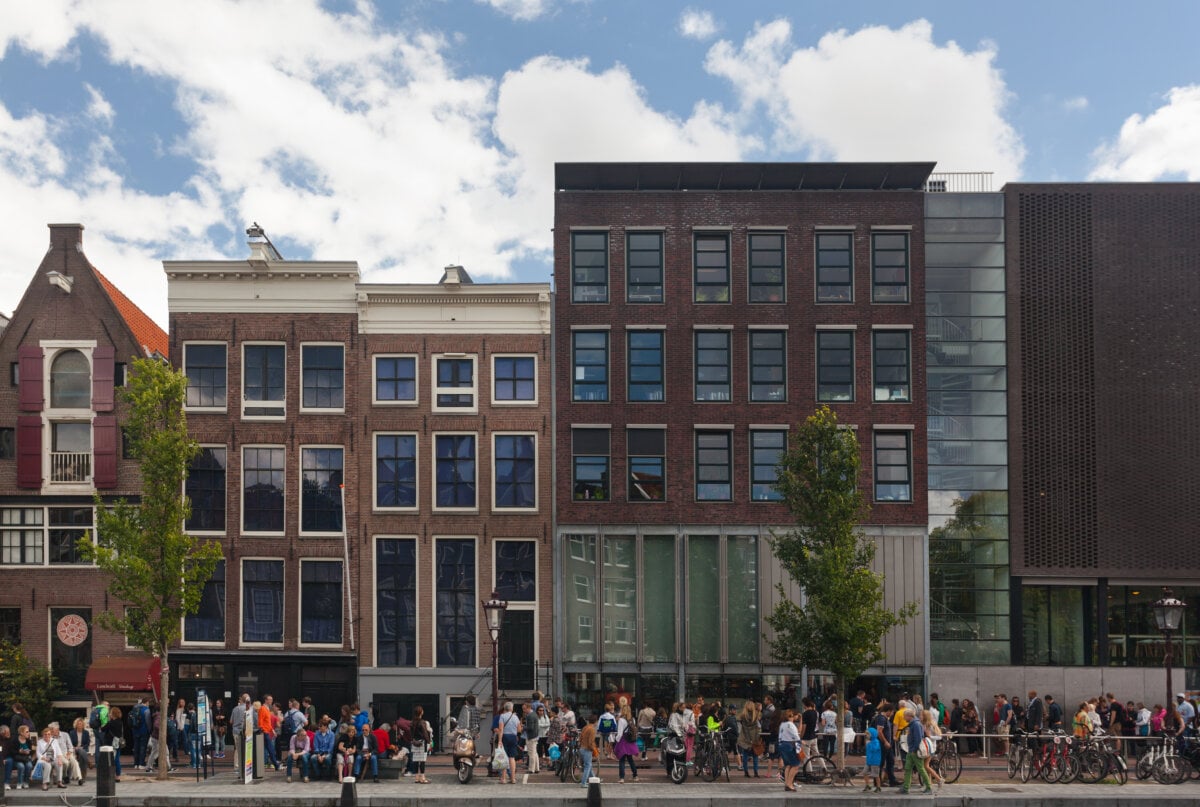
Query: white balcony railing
pixel 70 466
pixel 959 182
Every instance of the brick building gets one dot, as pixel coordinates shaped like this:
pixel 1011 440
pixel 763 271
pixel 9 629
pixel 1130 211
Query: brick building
pixel 66 349
pixel 376 464
pixel 702 311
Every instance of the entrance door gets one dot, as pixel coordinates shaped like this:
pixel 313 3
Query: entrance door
pixel 388 707
pixel 516 651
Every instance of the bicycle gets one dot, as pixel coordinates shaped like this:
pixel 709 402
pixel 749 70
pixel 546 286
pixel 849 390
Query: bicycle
pixel 570 762
pixel 945 761
pixel 711 758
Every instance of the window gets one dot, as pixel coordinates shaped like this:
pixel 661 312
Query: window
pixel 395 379
pixel 514 379
pixel 263 381
pixel 454 456
pixel 835 268
pixel 395 470
pixel 323 377
pixel 70 381
pixel 67 526
pixel 893 476
pixel 204 366
pixel 454 384
pixel 14 373
pixel 766 450
pixel 321 602
pixel 589 351
pixel 768 366
pixel 644 268
pixel 516 471
pixel 205 489
pixel 647 464
pixel 645 365
pixel 891 359
pixel 589 454
pixel 835 366
pixel 262 601
pixel 320 490
pixel 712 366
pixel 396 602
pixel 126 444
pixel 766 268
pixel 711 279
pixel 70 452
pixel 10 625
pixel 120 374
pixel 589 267
pixel 516 570
pixel 21 536
pixel 714 466
pixel 208 623
pixel 455 573
pixel 889 267
pixel 262 489
pixel 8 443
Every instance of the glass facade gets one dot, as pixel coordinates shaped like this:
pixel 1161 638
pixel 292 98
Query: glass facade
pixel 966 377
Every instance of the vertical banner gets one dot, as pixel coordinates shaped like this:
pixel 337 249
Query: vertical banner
pixel 203 722
pixel 248 749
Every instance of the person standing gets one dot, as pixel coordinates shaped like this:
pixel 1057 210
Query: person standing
pixel 420 744
pixel 532 758
pixel 913 761
pixel 626 748
pixel 589 750
pixel 310 714
pixel 645 725
pixel 266 727
pixel 887 741
pixel 113 733
pixel 787 742
pixel 1035 714
pixel 221 726
pixel 748 736
pixel 508 728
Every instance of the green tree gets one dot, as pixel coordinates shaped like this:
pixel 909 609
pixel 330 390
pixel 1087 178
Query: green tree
pixel 28 682
pixel 155 568
pixel 840 623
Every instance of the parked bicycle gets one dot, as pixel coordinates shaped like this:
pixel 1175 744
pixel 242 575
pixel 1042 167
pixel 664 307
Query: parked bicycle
pixel 945 761
pixel 569 764
pixel 711 759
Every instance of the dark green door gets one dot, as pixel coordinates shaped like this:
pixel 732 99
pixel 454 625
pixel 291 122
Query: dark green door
pixel 516 651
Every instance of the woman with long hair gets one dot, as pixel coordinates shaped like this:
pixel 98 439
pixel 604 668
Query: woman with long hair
pixel 420 745
pixel 929 723
pixel 748 735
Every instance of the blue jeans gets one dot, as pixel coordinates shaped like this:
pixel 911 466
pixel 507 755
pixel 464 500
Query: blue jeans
pixel 24 771
pixel 316 768
pixel 269 751
pixel 301 763
pixel 140 743
pixel 587 767
pixel 747 755
pixel 373 760
pixel 621 766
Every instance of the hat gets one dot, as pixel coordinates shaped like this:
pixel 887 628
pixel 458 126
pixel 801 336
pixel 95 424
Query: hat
pixel 1180 695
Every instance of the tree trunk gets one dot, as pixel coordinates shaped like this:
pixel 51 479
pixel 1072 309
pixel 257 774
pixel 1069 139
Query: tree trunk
pixel 839 684
pixel 164 703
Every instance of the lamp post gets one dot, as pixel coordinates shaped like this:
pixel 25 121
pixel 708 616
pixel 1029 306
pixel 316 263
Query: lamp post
pixel 1168 613
pixel 494 609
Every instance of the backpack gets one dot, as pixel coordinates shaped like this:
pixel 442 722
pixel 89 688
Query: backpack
pixel 630 732
pixel 607 725
pixel 295 721
pixel 94 720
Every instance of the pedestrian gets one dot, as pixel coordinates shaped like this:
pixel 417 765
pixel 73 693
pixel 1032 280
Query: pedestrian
pixel 81 741
pixel 113 733
pixel 419 746
pixel 972 727
pixel 787 742
pixel 589 750
pixel 913 761
pixel 645 726
pixel 319 762
pixel 266 726
pixel 531 727
pixel 932 733
pixel 885 728
pixel 626 747
pixel 1081 724
pixel 508 727
pixel 829 729
pixel 298 749
pixel 749 741
pixel 873 753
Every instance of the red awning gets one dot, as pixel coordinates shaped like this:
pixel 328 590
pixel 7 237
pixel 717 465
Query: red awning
pixel 124 674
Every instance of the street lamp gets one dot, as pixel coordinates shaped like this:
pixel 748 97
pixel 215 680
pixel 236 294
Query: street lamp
pixel 494 609
pixel 1168 613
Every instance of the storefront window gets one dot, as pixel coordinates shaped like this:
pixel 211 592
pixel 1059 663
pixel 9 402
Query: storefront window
pixel 704 598
pixel 741 554
pixel 619 612
pixel 579 633
pixel 1056 624
pixel 658 596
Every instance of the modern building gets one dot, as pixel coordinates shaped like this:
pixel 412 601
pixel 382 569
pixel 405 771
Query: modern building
pixel 66 348
pixel 702 311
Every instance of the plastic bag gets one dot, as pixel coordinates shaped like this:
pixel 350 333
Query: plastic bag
pixel 554 752
pixel 500 759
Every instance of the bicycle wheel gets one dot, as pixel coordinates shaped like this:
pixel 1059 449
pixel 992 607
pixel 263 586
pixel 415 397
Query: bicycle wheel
pixel 576 772
pixel 1025 767
pixel 949 765
pixel 1120 770
pixel 818 769
pixel 1092 766
pixel 1070 770
pixel 1014 760
pixel 1053 769
pixel 1168 771
pixel 1145 765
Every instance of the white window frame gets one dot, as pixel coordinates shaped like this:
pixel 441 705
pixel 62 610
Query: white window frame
pixel 537 474
pixel 300 491
pixel 242 605
pixel 479 624
pixel 283 403
pixel 224 408
pixel 50 350
pixel 375 506
pixel 300 598
pixel 224 446
pixel 435 390
pixel 497 402
pixel 42 528
pixel 320 410
pixel 416 360
pixel 242 490
pixel 416 539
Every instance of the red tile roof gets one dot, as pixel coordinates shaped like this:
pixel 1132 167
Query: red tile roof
pixel 152 338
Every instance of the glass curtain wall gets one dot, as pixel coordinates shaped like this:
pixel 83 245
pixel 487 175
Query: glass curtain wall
pixel 967 428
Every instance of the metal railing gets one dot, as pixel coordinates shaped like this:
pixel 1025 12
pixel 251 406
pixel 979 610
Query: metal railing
pixel 70 466
pixel 959 182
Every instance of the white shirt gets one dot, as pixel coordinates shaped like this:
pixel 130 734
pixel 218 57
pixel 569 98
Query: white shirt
pixel 1143 717
pixel 64 743
pixel 47 748
pixel 788 732
pixel 829 722
pixel 1186 712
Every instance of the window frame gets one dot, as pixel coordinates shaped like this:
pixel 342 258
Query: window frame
pixel 531 604
pixel 629 459
pixel 41 528
pixel 575 284
pixel 907 250
pixel 433 559
pixel 256 403
pixel 8 443
pixel 907 434
pixel 375 505
pixel 495 377
pixel 300 603
pixel 696 364
pixel 852 335
pixel 184 641
pixel 696 464
pixel 751 285
pixel 817 267
pixel 754 466
pixel 416 600
pixel 242 490
pixel 324 410
pixel 90 529
pixel 629 250
pixel 875 365
pixel 436 390
pixel 724 235
pixel 495 506
pixel 575 383
pixel 242 642
pixel 303 447
pixel 751 364
pixel 433 444
pixel 416 398
pixel 225 489
pixel 629 365
pixel 608 465
pixel 205 343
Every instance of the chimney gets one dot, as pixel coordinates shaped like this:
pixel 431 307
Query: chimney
pixel 454 276
pixel 66 236
pixel 261 248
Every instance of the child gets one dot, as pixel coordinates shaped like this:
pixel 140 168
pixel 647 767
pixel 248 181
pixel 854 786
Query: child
pixel 874 761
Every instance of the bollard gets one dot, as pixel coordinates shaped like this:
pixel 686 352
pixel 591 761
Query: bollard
pixel 349 793
pixel 106 778
pixel 593 796
pixel 259 750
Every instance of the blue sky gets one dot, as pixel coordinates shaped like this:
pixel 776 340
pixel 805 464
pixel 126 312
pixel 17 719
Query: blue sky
pixel 411 135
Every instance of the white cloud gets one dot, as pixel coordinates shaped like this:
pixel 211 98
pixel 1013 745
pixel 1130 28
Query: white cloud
pixel 98 109
pixel 523 10
pixel 1077 104
pixel 877 94
pixel 697 24
pixel 1165 143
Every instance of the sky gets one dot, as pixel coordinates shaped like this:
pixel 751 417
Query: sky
pixel 410 135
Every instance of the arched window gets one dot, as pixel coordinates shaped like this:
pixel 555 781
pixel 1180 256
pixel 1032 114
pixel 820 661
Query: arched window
pixel 70 381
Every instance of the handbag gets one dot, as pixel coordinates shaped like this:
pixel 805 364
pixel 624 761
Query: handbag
pixel 418 751
pixel 758 749
pixel 925 749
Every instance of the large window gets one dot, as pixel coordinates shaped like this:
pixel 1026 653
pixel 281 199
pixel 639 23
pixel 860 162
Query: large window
pixel 893 466
pixel 204 365
pixel 644 268
pixel 262 488
pixel 70 381
pixel 589 381
pixel 704 598
pixel 647 464
pixel 766 268
pixel 711 279
pixel 455 573
pixel 835 268
pixel 741 587
pixel 590 457
pixel 516 471
pixel 264 377
pixel 768 366
pixel 766 450
pixel 713 371
pixel 454 383
pixel 321 602
pixel 889 267
pixel 514 379
pixel 67 526
pixel 618 611
pixel 395 379
pixel 395 470
pixel 206 490
pixel 10 625
pixel 892 365
pixel 835 366
pixel 714 466
pixel 454 456
pixel 262 601
pixel 589 267
pixel 323 377
pixel 208 623
pixel 645 365
pixel 659 598
pixel 321 490
pixel 22 539
pixel 396 602
pixel 516 571
pixel 579 630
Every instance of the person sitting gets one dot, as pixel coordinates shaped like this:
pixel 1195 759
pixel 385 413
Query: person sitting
pixel 297 752
pixel 347 750
pixel 49 764
pixel 81 740
pixel 66 752
pixel 368 755
pixel 319 762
